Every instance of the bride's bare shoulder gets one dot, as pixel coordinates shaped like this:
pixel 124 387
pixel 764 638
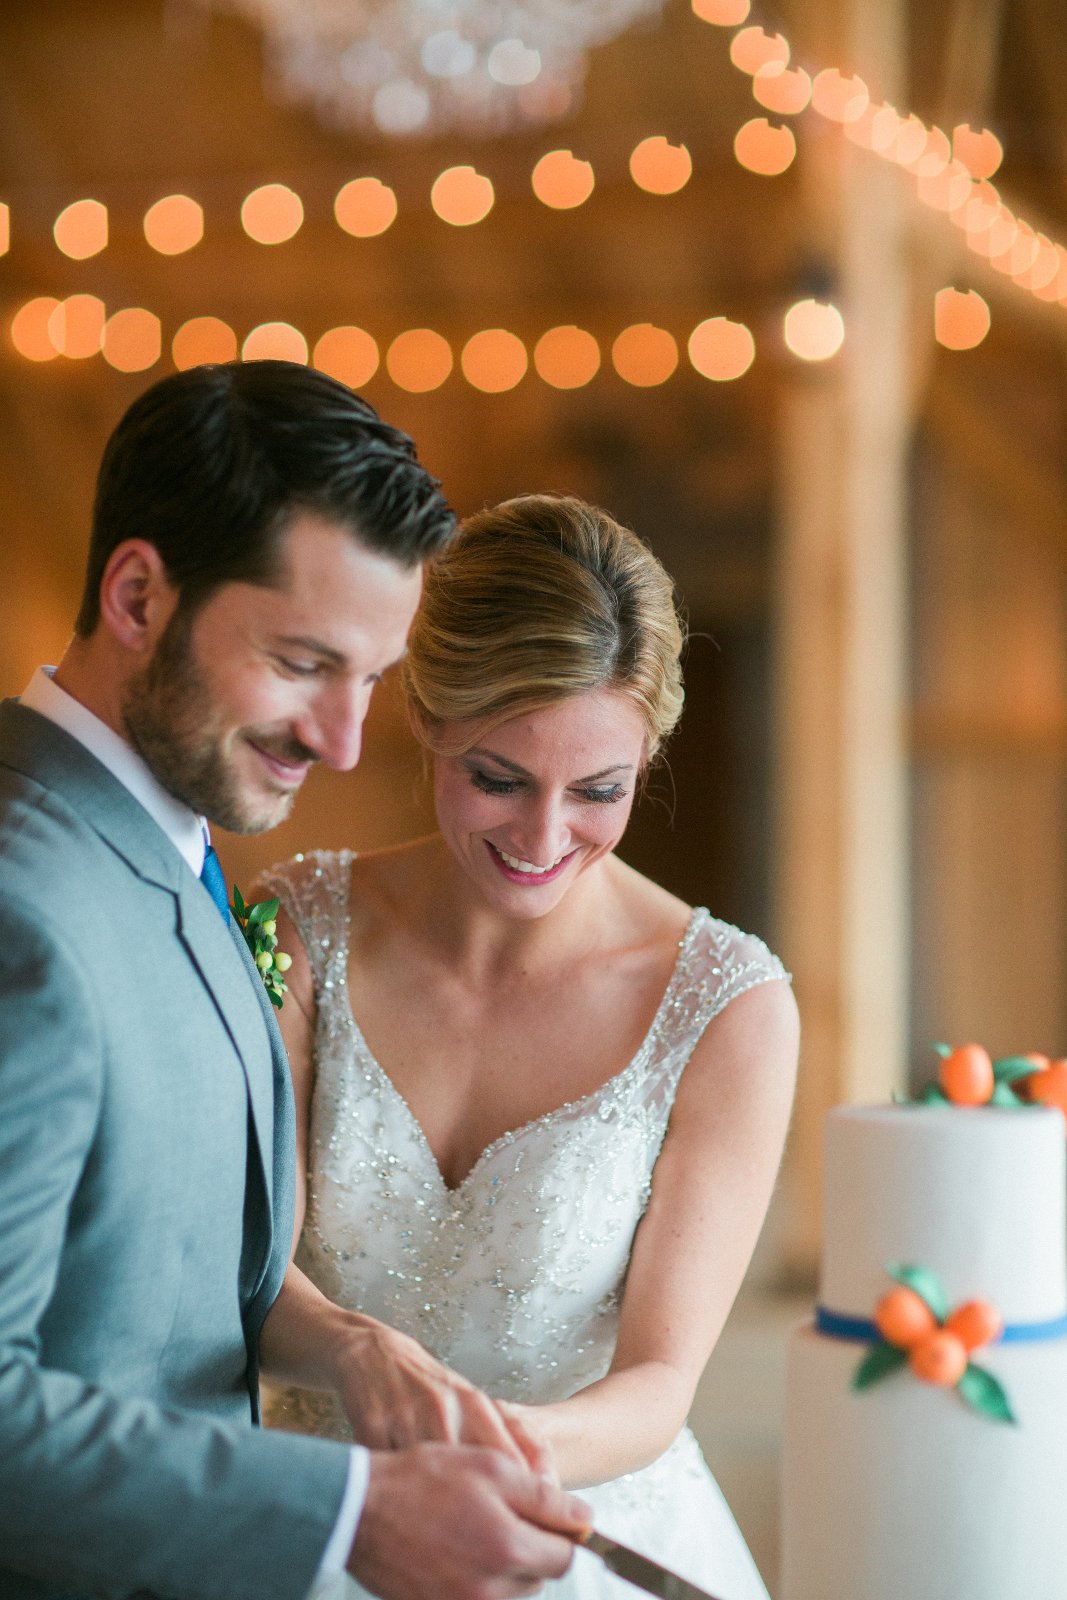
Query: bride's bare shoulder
pixel 652 913
pixel 384 882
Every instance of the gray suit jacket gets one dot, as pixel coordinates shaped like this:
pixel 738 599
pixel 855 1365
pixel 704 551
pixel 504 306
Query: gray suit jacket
pixel 146 1202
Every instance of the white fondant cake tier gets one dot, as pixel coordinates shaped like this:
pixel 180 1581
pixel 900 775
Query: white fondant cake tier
pixel 901 1489
pixel 903 1493
pixel 977 1195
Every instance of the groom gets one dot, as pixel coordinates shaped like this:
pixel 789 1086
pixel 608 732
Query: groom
pixel 255 563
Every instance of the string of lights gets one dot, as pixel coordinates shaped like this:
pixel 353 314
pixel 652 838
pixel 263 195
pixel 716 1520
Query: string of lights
pixel 417 359
pixel 952 174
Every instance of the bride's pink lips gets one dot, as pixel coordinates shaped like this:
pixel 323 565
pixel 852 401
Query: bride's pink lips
pixel 289 774
pixel 528 879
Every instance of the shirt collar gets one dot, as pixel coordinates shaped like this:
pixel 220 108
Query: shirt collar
pixel 186 831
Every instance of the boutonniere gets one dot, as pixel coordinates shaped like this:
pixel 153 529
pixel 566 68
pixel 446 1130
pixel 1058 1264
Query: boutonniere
pixel 257 923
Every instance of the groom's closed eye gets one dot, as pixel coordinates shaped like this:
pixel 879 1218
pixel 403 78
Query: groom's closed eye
pixel 299 669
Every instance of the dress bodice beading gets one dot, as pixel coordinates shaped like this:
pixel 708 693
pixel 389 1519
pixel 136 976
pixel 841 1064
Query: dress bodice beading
pixel 515 1277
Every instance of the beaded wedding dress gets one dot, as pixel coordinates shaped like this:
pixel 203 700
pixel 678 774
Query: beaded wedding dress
pixel 514 1278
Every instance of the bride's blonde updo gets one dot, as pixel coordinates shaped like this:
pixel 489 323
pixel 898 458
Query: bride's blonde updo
pixel 536 600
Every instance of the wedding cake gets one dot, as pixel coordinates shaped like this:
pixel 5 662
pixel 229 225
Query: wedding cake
pixel 895 1486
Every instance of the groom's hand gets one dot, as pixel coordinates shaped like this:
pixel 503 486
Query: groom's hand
pixel 396 1394
pixel 447 1523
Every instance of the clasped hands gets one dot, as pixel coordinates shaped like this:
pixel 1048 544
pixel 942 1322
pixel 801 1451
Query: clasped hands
pixel 463 1501
pixel 396 1394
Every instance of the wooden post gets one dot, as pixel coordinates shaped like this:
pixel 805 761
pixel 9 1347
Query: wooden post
pixel 841 631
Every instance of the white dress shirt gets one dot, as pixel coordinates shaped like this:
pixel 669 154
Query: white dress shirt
pixel 188 834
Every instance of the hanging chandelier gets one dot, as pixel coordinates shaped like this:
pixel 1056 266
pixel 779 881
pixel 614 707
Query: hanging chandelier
pixel 417 67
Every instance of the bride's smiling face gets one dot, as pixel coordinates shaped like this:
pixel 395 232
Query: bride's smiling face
pixel 541 798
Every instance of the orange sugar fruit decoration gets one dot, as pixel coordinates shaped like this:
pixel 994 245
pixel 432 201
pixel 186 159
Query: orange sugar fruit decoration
pixel 975 1323
pixel 966 1075
pixel 1047 1086
pixel 940 1358
pixel 903 1318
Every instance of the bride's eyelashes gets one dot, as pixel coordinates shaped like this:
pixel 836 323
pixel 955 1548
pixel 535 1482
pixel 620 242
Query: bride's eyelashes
pixel 607 794
pixel 498 786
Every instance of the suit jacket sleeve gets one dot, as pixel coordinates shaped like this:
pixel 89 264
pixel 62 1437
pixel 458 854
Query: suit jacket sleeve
pixel 101 1492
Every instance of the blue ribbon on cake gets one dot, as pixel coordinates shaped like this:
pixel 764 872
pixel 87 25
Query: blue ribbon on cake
pixel 861 1330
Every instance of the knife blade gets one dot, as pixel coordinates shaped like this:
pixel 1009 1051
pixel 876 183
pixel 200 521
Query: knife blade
pixel 642 1570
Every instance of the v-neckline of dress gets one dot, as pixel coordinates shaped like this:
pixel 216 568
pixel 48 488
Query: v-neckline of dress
pixel 453 1192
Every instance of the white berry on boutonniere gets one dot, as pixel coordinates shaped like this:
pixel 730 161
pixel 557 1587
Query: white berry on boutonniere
pixel 257 923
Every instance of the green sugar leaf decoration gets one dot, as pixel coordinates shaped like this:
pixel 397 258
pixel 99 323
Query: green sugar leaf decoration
pixel 943 1050
pixel 881 1359
pixel 933 1096
pixel 1004 1095
pixel 1009 1069
pixel 925 1283
pixel 985 1394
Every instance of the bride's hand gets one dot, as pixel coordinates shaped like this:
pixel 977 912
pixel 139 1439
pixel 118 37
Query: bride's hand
pixel 395 1394
pixel 528 1430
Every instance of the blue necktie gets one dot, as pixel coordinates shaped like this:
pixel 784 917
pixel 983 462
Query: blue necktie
pixel 215 884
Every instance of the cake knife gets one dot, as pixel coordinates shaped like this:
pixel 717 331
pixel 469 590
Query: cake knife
pixel 641 1570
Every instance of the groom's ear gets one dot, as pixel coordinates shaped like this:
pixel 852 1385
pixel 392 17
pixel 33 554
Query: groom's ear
pixel 137 599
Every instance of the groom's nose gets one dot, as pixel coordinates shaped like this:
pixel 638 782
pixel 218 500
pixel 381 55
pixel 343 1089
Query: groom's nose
pixel 334 725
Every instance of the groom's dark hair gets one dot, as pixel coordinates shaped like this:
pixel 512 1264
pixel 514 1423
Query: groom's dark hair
pixel 210 466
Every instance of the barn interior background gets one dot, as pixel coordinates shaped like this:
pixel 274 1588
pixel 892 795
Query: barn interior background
pixel 558 243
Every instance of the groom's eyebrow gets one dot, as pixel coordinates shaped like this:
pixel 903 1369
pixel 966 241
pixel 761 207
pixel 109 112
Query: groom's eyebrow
pixel 521 772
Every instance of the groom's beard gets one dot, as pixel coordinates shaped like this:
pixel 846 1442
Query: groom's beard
pixel 173 722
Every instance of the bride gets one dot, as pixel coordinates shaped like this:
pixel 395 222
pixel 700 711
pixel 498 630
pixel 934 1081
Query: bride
pixel 542 1101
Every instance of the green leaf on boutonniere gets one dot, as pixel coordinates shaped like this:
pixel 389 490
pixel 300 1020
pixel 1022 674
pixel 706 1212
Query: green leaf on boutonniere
pixel 262 911
pixel 925 1283
pixel 257 923
pixel 985 1394
pixel 881 1359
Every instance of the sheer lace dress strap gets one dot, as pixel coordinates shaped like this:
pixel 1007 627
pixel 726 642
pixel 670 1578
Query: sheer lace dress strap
pixel 739 961
pixel 716 963
pixel 313 888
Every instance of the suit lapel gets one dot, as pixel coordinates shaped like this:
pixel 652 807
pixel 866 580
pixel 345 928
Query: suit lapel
pixel 228 973
pixel 47 755
pixel 278 1158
